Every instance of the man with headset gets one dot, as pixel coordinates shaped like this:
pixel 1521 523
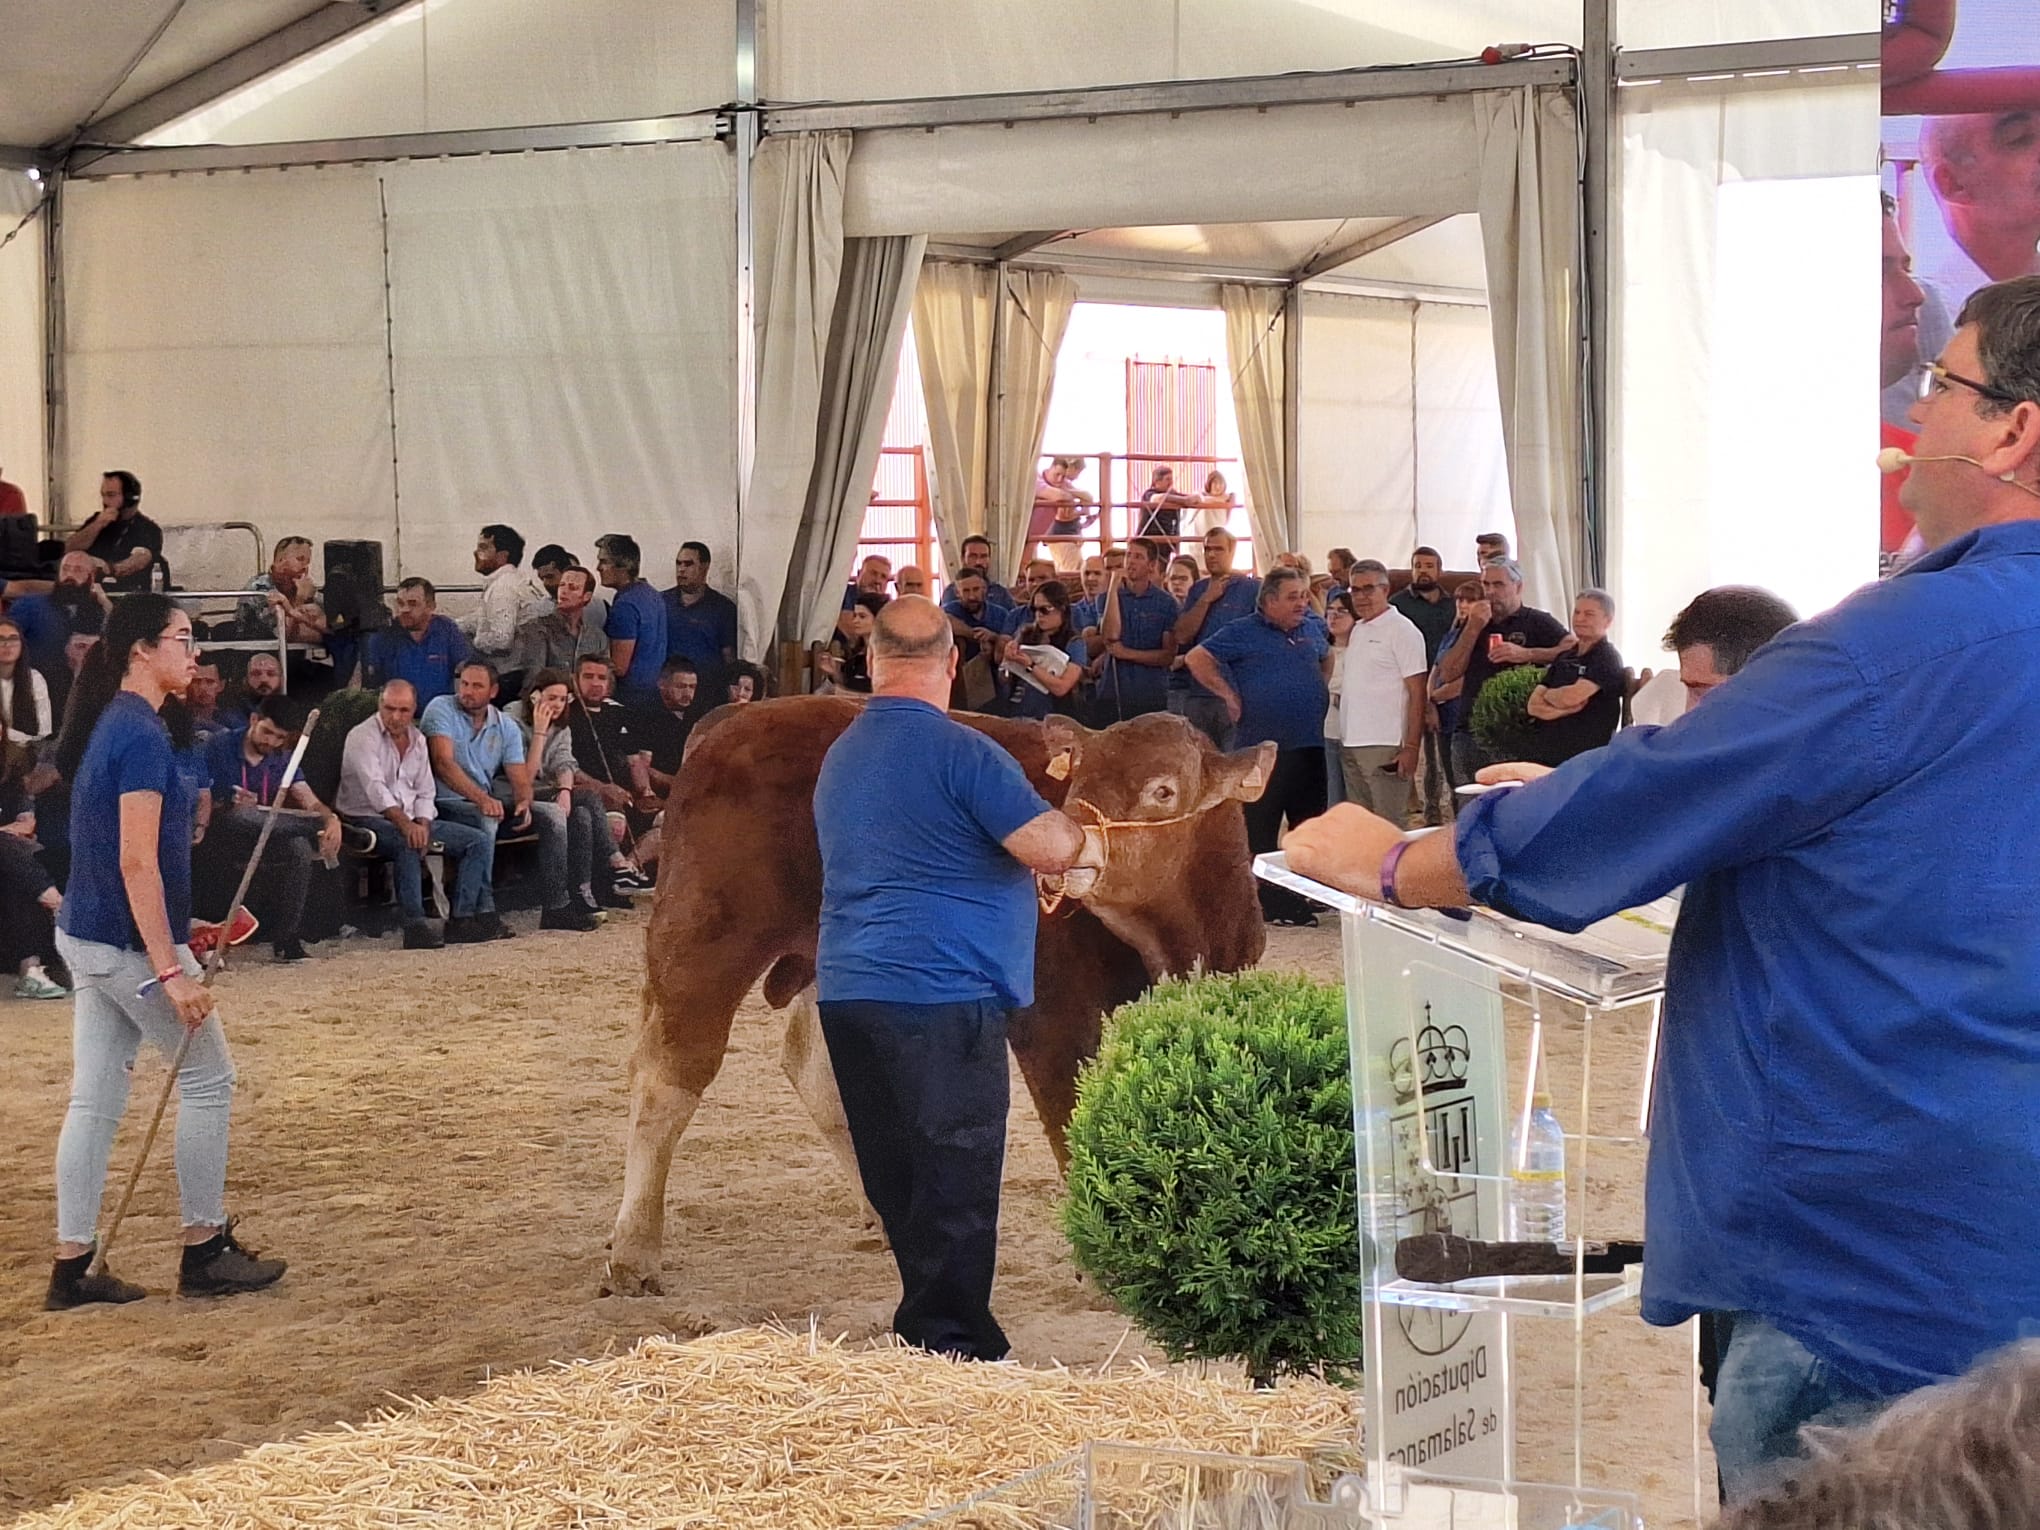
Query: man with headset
pixel 120 539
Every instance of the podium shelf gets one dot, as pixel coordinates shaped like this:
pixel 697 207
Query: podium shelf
pixel 1536 1296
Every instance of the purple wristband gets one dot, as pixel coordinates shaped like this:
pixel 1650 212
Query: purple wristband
pixel 1389 863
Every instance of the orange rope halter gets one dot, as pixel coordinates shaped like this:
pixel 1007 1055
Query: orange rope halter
pixel 1051 898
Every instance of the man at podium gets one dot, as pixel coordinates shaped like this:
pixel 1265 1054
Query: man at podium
pixel 1845 1160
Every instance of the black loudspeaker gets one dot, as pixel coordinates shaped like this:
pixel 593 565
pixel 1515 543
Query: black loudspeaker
pixel 354 587
pixel 20 547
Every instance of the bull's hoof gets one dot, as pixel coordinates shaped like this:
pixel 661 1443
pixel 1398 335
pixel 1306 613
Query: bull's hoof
pixel 620 1279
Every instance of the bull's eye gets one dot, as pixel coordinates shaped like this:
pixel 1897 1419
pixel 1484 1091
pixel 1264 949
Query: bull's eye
pixel 1161 794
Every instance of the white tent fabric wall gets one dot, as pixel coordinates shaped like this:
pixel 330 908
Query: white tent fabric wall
pixel 21 341
pixel 1529 155
pixel 1401 429
pixel 799 181
pixel 1740 449
pixel 1034 311
pixel 565 350
pixel 226 340
pixel 1256 364
pixel 453 64
pixel 954 311
pixel 873 302
pixel 1692 22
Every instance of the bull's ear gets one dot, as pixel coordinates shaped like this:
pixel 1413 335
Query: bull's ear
pixel 1244 775
pixel 1065 741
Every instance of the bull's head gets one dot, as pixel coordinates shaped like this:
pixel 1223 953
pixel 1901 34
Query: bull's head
pixel 1163 839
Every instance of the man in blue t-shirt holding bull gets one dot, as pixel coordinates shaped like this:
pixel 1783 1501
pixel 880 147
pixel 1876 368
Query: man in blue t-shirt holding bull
pixel 926 946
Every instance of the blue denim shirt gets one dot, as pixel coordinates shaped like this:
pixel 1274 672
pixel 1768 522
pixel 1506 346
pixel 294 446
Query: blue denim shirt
pixel 1846 1136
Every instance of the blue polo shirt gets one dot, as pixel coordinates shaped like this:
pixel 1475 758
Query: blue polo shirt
pixel 500 742
pixel 129 752
pixel 429 661
pixel 1144 623
pixel 923 907
pixel 1280 679
pixel 699 632
pixel 1088 612
pixel 992 618
pixel 226 768
pixel 1241 598
pixel 1846 1134
pixel 638 614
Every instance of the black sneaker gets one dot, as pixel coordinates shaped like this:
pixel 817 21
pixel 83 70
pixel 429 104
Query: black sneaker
pixel 498 930
pixel 468 930
pixel 422 935
pixel 613 900
pixel 221 1267
pixel 290 951
pixel 72 1284
pixel 567 917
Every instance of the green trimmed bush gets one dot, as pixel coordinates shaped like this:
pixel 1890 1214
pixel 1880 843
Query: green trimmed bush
pixel 1501 713
pixel 1211 1184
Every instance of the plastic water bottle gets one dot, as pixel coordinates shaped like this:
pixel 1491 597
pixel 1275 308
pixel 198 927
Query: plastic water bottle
pixel 1537 1178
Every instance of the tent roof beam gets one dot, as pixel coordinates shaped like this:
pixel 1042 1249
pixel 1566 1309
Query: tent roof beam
pixel 1339 255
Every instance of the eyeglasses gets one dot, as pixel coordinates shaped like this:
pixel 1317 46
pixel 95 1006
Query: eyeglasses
pixel 1934 380
pixel 1046 610
pixel 189 640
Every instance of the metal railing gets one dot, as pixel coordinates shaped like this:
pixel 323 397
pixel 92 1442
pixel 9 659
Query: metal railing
pixel 1120 515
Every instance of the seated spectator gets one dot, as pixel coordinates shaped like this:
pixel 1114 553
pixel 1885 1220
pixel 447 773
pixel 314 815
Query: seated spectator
pixel 261 678
pixel 123 543
pixel 1578 706
pixel 202 702
pixel 246 767
pixel 28 898
pixel 558 639
pixel 24 693
pixel 613 761
pixel 1033 575
pixel 286 588
pixel 557 778
pixel 637 622
pixel 76 647
pixel 423 647
pixel 977 553
pixel 386 791
pixel 874 575
pixel 1182 577
pixel 746 683
pixel 847 662
pixel 548 563
pixel 484 782
pixel 1035 691
pixel 511 597
pixel 74 604
pixel 665 731
pixel 911 579
pixel 701 623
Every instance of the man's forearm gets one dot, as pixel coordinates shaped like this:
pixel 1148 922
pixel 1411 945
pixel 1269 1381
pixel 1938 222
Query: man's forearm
pixel 1153 658
pixel 1413 717
pixel 1428 876
pixel 1452 663
pixel 1546 655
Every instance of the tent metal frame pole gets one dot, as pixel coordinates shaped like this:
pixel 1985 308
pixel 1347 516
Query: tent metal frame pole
pixel 56 408
pixel 1292 412
pixel 744 140
pixel 1596 97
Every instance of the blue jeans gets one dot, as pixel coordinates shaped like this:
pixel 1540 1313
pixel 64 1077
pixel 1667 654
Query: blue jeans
pixel 548 819
pixel 108 1023
pixel 1335 774
pixel 1768 1387
pixel 473 852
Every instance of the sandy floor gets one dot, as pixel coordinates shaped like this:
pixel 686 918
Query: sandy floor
pixel 440 1156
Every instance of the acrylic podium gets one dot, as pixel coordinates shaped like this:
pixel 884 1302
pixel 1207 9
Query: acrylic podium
pixel 1455 1021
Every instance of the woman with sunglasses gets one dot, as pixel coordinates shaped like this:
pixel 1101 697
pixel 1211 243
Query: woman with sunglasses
pixel 124 932
pixel 1032 690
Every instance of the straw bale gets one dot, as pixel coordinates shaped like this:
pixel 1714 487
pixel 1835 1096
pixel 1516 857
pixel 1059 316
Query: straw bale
pixel 758 1426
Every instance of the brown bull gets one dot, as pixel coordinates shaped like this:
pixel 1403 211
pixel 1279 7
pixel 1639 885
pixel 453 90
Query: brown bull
pixel 740 892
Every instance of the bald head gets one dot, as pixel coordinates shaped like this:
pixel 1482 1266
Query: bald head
pixel 912 629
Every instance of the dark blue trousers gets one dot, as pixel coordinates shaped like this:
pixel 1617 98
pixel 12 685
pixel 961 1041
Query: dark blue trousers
pixel 925 1092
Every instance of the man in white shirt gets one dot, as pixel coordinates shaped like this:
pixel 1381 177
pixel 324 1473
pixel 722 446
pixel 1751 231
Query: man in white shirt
pixel 1381 698
pixel 511 596
pixel 386 791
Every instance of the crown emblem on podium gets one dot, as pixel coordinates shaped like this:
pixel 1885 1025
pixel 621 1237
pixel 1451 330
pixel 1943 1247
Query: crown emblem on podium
pixel 1438 1060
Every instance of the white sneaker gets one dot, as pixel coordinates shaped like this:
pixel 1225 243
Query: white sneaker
pixel 38 984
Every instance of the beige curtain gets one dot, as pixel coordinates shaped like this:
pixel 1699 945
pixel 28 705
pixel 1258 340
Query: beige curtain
pixel 1254 349
pixel 799 212
pixel 872 303
pixel 953 318
pixel 1528 171
pixel 1034 310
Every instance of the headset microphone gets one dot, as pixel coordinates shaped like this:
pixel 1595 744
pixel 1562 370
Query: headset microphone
pixel 1896 459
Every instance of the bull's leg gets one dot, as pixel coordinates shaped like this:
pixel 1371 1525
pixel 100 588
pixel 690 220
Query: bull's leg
pixel 805 1057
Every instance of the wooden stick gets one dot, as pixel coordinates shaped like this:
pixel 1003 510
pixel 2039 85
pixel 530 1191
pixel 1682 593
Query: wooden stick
pixel 212 966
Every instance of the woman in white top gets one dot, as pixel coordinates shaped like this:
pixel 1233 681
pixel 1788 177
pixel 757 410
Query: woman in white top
pixel 1215 505
pixel 1340 617
pixel 25 706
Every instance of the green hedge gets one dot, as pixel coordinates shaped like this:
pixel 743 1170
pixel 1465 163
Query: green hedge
pixel 1501 716
pixel 1211 1184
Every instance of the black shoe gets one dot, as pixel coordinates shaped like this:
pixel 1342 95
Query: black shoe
pixel 613 900
pixel 290 950
pixel 468 930
pixel 221 1267
pixel 73 1285
pixel 422 935
pixel 498 930
pixel 586 903
pixel 1302 921
pixel 567 917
